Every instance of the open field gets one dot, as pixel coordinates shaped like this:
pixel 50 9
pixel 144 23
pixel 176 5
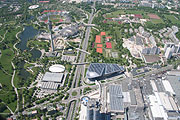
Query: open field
pixel 38 44
pixel 121 12
pixel 115 14
pixel 143 13
pixel 2 31
pixel 5 60
pixel 172 19
pixel 157 21
pixel 7 94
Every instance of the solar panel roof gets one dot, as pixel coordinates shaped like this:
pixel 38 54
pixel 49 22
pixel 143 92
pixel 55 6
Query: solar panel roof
pixel 139 40
pixel 116 98
pixel 151 51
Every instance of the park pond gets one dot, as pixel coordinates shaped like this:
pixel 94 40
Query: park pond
pixel 28 33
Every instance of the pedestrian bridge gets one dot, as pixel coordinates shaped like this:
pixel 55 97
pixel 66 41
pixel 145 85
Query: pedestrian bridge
pixel 89 25
pixel 80 63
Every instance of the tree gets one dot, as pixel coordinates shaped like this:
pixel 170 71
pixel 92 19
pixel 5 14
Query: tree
pixel 2 107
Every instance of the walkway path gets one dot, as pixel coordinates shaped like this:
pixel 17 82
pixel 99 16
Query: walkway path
pixel 12 83
pixel 8 108
pixel 3 37
pixel 12 80
pixel 14 46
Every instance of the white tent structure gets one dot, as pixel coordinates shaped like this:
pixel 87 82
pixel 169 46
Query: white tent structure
pixel 57 68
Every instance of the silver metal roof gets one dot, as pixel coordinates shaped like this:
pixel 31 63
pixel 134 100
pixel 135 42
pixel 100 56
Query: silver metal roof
pixel 49 85
pixel 151 51
pixel 53 77
pixel 116 98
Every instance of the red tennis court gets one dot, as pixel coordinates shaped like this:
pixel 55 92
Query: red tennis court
pixel 138 16
pixel 154 16
pixel 99 45
pixel 108 45
pixel 108 37
pixel 99 50
pixel 98 39
pixel 103 33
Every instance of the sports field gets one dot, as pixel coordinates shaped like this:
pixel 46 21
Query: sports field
pixel 157 21
pixel 121 12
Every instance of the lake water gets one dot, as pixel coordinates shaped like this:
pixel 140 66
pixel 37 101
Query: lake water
pixel 29 1
pixel 28 33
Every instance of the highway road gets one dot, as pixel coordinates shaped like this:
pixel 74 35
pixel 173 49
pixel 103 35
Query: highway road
pixel 80 69
pixel 70 111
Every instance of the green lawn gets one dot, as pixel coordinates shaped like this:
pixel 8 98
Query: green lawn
pixel 7 91
pixel 157 21
pixel 144 14
pixel 121 12
pixel 112 22
pixel 5 60
pixel 74 93
pixel 55 20
pixel 172 19
pixel 115 14
pixel 26 65
pixel 2 32
pixel 7 94
pixel 38 44
pixel 136 12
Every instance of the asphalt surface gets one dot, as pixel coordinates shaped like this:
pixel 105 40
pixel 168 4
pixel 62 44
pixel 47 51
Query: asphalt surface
pixel 70 111
pixel 80 69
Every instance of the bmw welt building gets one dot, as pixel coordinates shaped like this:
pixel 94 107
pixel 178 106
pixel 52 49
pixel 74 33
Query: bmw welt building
pixel 97 71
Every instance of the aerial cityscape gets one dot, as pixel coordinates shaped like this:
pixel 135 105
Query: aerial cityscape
pixel 89 60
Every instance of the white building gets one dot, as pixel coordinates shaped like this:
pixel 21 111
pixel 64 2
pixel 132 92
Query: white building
pixel 168 53
pixel 171 49
pixel 141 30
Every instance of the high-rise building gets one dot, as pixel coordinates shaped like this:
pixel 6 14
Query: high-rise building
pixel 168 52
pixel 171 49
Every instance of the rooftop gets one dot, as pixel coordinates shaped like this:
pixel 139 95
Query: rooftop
pixel 57 68
pixel 53 77
pixel 116 98
pixel 49 85
pixel 101 69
